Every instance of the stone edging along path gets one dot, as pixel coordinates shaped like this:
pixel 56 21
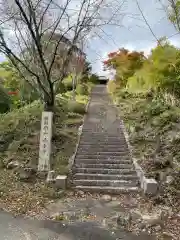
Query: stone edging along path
pixel 145 182
pixel 149 185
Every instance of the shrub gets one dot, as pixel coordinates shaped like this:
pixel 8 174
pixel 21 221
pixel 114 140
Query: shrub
pixel 5 101
pixel 62 88
pixel 155 108
pixel 61 103
pixel 82 89
pixel 76 107
pixel 4 107
pixel 90 86
pixel 123 94
pixel 167 117
pixel 69 86
pixel 112 87
pixel 94 79
pixel 68 83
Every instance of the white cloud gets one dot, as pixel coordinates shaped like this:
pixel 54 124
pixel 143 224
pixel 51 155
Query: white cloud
pixel 175 42
pixel 98 65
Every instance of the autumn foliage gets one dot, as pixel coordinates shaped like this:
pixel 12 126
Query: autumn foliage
pixel 160 71
pixel 12 92
pixel 125 63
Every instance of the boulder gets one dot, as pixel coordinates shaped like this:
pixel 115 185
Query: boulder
pixel 124 220
pixel 13 164
pixel 80 193
pixel 106 198
pixel 31 169
pixel 24 175
pixel 80 130
pixel 169 179
pixel 168 235
pixel 155 219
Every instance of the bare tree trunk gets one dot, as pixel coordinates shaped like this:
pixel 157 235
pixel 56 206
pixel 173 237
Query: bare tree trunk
pixel 49 105
pixel 49 101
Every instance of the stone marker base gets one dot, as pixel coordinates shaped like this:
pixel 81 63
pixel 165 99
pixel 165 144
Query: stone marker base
pixel 61 182
pixel 150 186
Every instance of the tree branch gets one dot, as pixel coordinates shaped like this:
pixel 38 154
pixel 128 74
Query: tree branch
pixel 10 54
pixel 147 23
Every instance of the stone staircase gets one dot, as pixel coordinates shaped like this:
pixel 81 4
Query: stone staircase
pixel 102 162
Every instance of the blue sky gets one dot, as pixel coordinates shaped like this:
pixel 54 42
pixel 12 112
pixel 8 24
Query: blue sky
pixel 135 34
pixel 2 58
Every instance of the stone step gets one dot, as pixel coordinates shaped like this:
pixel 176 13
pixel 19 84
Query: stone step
pixel 103 154
pixel 105 189
pixel 103 144
pixel 101 157
pixel 99 132
pixel 102 141
pixel 99 120
pixel 102 133
pixel 104 161
pixel 112 183
pixel 93 151
pixel 115 127
pixel 105 176
pixel 110 166
pixel 103 136
pixel 104 171
pixel 103 147
pixel 100 138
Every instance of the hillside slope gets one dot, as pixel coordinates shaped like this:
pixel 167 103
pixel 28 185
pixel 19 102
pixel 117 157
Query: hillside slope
pixel 26 193
pixel 154 131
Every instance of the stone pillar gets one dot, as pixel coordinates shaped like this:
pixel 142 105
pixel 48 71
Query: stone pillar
pixel 45 141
